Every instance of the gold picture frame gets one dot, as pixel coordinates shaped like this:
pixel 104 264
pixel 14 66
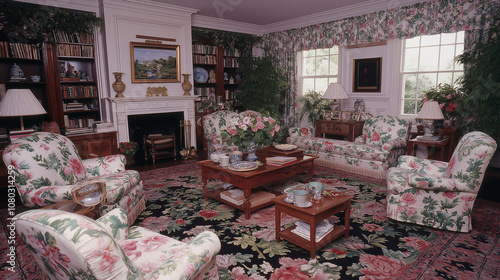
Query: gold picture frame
pixel 155 63
pixel 345 115
pixel 336 115
pixel 354 116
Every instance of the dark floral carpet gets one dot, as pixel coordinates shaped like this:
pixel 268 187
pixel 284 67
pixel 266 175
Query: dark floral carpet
pixel 377 248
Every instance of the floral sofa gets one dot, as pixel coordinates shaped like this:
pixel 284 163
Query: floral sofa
pixel 70 246
pixel 440 194
pixel 383 140
pixel 47 166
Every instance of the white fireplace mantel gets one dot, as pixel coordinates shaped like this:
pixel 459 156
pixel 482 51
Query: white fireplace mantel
pixel 125 106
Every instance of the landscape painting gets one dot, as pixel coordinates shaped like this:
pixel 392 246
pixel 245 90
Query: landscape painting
pixel 155 63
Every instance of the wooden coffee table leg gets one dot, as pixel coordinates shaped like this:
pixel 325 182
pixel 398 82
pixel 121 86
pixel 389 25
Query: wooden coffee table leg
pixel 246 202
pixel 278 221
pixel 205 189
pixel 312 238
pixel 347 218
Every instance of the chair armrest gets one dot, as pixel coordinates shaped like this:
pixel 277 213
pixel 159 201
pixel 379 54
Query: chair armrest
pixel 360 139
pixel 201 250
pixel 32 196
pixel 422 165
pixel 395 144
pixel 115 222
pixel 104 165
pixel 435 183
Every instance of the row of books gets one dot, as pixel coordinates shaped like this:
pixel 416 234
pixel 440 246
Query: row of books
pixel 78 91
pixel 236 196
pixel 204 59
pixel 303 230
pixel 19 50
pixel 231 62
pixel 204 49
pixel 62 36
pixel 74 106
pixel 75 50
pixel 204 91
pixel 280 160
pixel 78 123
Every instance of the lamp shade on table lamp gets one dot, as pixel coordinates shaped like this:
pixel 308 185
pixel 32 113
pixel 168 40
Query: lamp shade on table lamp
pixel 430 111
pixel 19 103
pixel 335 91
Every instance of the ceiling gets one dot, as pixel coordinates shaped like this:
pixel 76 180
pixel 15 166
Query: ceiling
pixel 266 12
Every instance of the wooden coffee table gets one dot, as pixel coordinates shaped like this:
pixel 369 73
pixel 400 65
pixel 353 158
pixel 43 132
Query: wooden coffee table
pixel 248 180
pixel 313 215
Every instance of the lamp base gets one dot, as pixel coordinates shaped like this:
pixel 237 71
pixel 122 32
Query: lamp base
pixel 429 128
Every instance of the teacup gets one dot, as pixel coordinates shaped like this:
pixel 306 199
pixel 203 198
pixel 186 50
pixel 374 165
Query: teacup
pixel 35 78
pixel 300 197
pixel 289 194
pixel 316 189
pixel 224 160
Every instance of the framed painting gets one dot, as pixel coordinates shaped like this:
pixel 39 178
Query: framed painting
pixel 354 116
pixel 345 115
pixel 155 63
pixel 336 115
pixel 367 75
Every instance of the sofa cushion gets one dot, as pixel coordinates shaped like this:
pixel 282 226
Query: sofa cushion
pixel 381 129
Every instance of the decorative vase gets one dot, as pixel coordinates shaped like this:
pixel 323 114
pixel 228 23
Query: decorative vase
pixel 251 152
pixel 186 85
pixel 118 85
pixel 130 159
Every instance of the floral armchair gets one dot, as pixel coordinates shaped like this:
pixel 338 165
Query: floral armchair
pixel 383 140
pixel 70 246
pixel 47 166
pixel 440 194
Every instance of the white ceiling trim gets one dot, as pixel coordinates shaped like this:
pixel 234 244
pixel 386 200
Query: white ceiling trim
pixel 226 25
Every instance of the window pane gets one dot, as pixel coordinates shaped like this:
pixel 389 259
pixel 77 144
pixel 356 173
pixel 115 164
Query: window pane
pixel 430 40
pixel 334 64
pixel 459 50
pixel 308 53
pixel 410 85
pixel 446 58
pixel 334 50
pixel 322 65
pixel 411 60
pixel 321 84
pixel 409 107
pixel 332 80
pixel 308 68
pixel 445 78
pixel 456 76
pixel 429 59
pixel 307 85
pixel 413 42
pixel 460 36
pixel 448 38
pixel 425 82
pixel 322 52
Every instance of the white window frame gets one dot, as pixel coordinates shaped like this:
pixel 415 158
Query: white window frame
pixel 301 77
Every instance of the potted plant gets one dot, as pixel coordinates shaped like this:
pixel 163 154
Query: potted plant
pixel 448 98
pixel 128 149
pixel 313 106
pixel 481 84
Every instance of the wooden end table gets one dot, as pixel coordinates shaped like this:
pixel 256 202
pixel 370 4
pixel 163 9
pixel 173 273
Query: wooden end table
pixel 313 215
pixel 249 180
pixel 441 144
pixel 349 129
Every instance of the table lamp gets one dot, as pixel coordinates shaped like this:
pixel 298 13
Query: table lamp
pixel 335 91
pixel 430 111
pixel 19 103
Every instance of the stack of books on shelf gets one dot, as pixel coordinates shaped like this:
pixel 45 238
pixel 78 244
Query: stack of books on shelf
pixel 303 230
pixel 74 106
pixel 78 130
pixel 236 196
pixel 101 126
pixel 78 91
pixel 14 134
pixel 279 161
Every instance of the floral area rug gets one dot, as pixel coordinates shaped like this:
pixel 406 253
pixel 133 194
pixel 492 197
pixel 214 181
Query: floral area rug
pixel 377 248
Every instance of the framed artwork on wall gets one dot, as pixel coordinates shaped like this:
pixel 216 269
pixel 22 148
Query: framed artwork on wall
pixel 367 75
pixel 155 63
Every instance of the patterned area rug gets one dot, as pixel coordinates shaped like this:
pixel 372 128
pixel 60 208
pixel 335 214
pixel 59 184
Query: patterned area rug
pixel 377 248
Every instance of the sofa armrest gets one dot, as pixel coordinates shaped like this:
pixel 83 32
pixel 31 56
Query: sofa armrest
pixel 104 165
pixel 435 183
pixel 422 165
pixel 301 131
pixel 395 144
pixel 361 139
pixel 32 196
pixel 201 251
pixel 115 222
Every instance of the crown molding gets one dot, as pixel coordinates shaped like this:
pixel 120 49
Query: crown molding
pixel 226 25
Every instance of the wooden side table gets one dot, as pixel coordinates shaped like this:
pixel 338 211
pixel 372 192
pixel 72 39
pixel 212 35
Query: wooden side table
pixel 441 144
pixel 159 146
pixel 313 215
pixel 349 129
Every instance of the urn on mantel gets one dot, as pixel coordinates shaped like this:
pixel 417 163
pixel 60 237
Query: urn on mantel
pixel 118 85
pixel 186 85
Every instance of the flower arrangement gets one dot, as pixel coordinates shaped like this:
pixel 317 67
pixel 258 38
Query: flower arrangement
pixel 127 148
pixel 240 131
pixel 448 98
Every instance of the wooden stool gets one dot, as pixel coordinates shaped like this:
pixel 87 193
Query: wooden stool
pixel 159 146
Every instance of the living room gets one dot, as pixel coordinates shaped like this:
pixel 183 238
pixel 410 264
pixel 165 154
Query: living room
pixel 379 33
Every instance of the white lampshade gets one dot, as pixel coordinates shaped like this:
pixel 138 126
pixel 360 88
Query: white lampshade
pixel 430 111
pixel 335 91
pixel 19 103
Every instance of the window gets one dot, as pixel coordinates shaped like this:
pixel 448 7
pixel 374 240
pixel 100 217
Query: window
pixel 427 62
pixel 318 68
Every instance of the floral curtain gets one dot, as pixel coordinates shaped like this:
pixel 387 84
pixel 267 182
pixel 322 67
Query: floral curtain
pixel 425 18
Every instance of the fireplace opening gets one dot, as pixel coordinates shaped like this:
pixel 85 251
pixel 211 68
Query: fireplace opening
pixel 146 124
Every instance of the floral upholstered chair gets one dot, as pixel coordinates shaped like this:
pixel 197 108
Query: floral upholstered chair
pixel 70 246
pixel 440 194
pixel 47 166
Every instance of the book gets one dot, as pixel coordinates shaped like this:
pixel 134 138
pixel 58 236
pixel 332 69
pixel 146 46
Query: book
pixel 236 196
pixel 322 229
pixel 280 160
